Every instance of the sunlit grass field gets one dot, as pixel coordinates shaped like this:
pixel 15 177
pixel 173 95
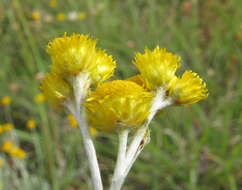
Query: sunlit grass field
pixel 197 147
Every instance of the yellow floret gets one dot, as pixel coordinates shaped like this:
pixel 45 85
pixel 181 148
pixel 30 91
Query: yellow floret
pixel 55 89
pixel 77 53
pixel 157 67
pixel 118 105
pixel 188 89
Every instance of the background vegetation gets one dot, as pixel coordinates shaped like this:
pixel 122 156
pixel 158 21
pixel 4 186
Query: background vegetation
pixel 192 148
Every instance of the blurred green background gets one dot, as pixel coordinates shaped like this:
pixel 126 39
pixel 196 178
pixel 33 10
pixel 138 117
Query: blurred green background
pixel 198 147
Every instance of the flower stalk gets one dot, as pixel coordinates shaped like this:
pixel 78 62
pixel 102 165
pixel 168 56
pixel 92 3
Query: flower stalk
pixel 81 85
pixel 90 151
pixel 128 157
pixel 118 176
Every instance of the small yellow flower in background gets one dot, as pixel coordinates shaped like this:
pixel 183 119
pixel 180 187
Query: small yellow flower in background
pixel 55 89
pixel 7 127
pixel 118 105
pixel 31 124
pixel 82 16
pixel 76 54
pixel 9 148
pixel 1 162
pixel 60 17
pixel 188 89
pixel 36 15
pixel 53 3
pixel 39 98
pixel 18 153
pixel 6 100
pixel 72 121
pixel 156 67
pixel 93 131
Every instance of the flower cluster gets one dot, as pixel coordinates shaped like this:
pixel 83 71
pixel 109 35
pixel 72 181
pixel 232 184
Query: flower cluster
pixel 110 107
pixel 76 82
pixel 118 104
pixel 72 56
pixel 7 145
pixel 42 15
pixel 12 150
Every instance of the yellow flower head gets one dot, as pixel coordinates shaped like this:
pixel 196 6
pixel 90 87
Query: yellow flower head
pixel 36 15
pixel 6 100
pixel 17 152
pixel 82 16
pixel 53 3
pixel 77 53
pixel 72 121
pixel 31 124
pixel 7 146
pixel 7 126
pixel 39 98
pixel 118 105
pixel 188 89
pixel 157 67
pixel 55 89
pixel 60 16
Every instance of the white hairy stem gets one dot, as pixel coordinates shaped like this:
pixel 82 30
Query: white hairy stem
pixel 117 179
pixel 159 102
pixel 81 85
pixel 121 173
pixel 90 151
pixel 134 146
